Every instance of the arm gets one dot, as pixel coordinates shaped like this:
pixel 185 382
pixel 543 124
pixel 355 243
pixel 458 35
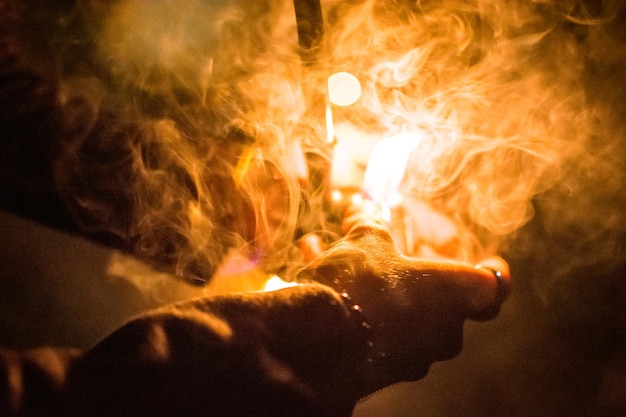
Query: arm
pixel 291 352
pixel 298 351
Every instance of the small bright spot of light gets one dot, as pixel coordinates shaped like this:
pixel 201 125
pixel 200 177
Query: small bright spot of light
pixel 344 89
pixel 276 283
pixel 357 198
pixel 336 196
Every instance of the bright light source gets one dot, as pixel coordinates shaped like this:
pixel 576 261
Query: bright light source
pixel 386 168
pixel 344 89
pixel 276 283
pixel 395 199
pixel 357 198
pixel 336 196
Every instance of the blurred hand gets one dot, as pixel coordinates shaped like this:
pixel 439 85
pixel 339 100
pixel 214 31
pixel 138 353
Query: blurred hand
pixel 416 307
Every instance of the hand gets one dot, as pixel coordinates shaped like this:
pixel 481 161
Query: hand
pixel 416 307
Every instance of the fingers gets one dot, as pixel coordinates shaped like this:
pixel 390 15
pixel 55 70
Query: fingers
pixel 479 290
pixel 484 287
pixel 501 276
pixel 476 291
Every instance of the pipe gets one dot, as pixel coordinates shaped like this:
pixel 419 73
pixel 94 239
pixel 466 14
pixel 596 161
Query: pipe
pixel 310 24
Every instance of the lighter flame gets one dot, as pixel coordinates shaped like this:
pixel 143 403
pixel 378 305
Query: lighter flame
pixel 386 168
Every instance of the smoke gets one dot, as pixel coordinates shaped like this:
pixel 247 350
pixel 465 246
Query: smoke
pixel 162 104
pixel 184 120
pixel 496 91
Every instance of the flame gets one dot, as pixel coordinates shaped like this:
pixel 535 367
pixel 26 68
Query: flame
pixel 188 139
pixel 386 168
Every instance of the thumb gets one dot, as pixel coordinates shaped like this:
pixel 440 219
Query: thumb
pixel 480 289
pixel 497 274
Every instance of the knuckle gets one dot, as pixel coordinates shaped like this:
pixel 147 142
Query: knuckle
pixel 370 232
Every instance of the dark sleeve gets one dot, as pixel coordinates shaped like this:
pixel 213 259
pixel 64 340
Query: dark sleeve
pixel 293 352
